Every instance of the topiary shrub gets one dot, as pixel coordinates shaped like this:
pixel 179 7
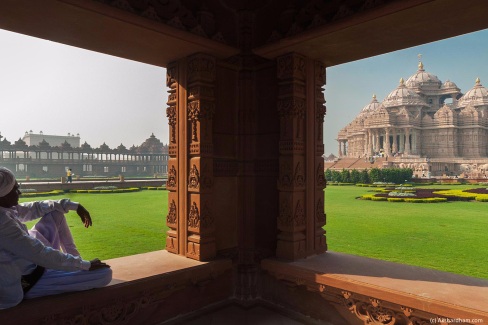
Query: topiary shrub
pixel 395 199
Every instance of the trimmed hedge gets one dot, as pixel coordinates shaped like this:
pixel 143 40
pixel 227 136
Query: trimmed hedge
pixel 395 199
pixel 340 184
pixel 117 190
pixel 153 188
pixel 427 200
pixel 40 194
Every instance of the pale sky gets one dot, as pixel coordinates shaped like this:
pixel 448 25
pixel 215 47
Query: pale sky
pixel 59 89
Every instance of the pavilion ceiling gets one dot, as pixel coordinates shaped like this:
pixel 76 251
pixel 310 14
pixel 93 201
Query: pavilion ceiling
pixel 160 31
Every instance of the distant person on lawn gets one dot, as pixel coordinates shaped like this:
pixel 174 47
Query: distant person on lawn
pixel 69 174
pixel 31 261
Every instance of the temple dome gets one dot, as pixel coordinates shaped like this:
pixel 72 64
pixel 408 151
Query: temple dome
pixel 476 96
pixel 372 106
pixel 422 78
pixel 403 96
pixel 449 85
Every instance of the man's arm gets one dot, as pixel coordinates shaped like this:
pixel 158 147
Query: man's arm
pixel 33 210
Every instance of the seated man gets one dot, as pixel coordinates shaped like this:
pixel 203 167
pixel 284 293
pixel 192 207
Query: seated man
pixel 31 262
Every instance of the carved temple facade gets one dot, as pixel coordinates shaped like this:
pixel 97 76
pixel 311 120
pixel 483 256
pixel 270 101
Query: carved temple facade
pixel 35 157
pixel 246 205
pixel 423 124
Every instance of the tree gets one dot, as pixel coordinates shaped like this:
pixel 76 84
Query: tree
pixel 364 177
pixel 375 175
pixel 345 176
pixel 328 175
pixel 336 176
pixel 355 176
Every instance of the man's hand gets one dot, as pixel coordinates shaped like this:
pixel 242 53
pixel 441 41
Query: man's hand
pixel 84 215
pixel 97 264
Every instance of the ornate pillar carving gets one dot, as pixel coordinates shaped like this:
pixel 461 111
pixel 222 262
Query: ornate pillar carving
pixel 370 142
pixel 340 147
pixel 395 145
pixel 301 179
pixel 407 141
pixel 376 141
pixel 387 141
pixel 172 236
pixel 201 108
pixel 191 105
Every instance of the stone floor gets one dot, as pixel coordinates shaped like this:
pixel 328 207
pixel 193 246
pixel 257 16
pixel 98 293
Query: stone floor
pixel 238 315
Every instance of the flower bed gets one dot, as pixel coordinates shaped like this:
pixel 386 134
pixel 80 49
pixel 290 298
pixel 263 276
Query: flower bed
pixel 427 195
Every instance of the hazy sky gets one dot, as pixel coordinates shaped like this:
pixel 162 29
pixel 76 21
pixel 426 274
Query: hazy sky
pixel 58 89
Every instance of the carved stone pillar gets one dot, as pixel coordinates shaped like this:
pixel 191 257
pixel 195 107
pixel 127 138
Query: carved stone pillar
pixel 200 111
pixel 366 144
pixel 387 142
pixel 301 179
pixel 191 105
pixel 376 141
pixel 172 236
pixel 370 143
pixel 395 145
pixel 340 148
pixel 407 141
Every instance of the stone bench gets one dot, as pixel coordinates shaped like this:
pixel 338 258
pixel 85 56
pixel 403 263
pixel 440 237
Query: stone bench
pixel 146 289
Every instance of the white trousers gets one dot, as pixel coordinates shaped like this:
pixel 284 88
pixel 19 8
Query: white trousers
pixel 52 230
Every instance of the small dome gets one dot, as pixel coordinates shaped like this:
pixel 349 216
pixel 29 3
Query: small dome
pixel 421 79
pixel 372 106
pixel 403 96
pixel 476 96
pixel 449 85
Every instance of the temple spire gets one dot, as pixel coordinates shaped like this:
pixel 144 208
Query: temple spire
pixel 421 65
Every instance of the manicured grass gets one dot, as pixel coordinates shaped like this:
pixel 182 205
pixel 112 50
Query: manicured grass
pixel 123 224
pixel 450 236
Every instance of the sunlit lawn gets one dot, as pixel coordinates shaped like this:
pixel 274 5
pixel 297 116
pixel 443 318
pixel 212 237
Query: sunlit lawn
pixel 123 223
pixel 450 236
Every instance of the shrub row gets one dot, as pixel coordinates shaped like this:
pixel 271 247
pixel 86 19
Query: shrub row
pixel 408 200
pixel 40 194
pixel 339 183
pixel 118 190
pixel 367 176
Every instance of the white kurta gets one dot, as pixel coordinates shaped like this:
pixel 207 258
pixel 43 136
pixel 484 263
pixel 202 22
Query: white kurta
pixel 20 252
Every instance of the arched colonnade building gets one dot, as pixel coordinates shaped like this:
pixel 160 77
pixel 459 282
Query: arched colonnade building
pixel 424 124
pixel 47 156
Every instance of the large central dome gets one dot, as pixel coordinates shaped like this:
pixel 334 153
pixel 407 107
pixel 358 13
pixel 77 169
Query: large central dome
pixel 422 78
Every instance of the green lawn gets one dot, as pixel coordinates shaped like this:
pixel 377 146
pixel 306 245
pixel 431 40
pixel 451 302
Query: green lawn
pixel 123 224
pixel 449 236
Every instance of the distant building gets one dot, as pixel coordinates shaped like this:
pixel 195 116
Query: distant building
pixel 34 139
pixel 40 158
pixel 423 124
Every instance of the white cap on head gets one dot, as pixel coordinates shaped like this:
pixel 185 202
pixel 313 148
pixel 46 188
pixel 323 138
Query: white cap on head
pixel 7 181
